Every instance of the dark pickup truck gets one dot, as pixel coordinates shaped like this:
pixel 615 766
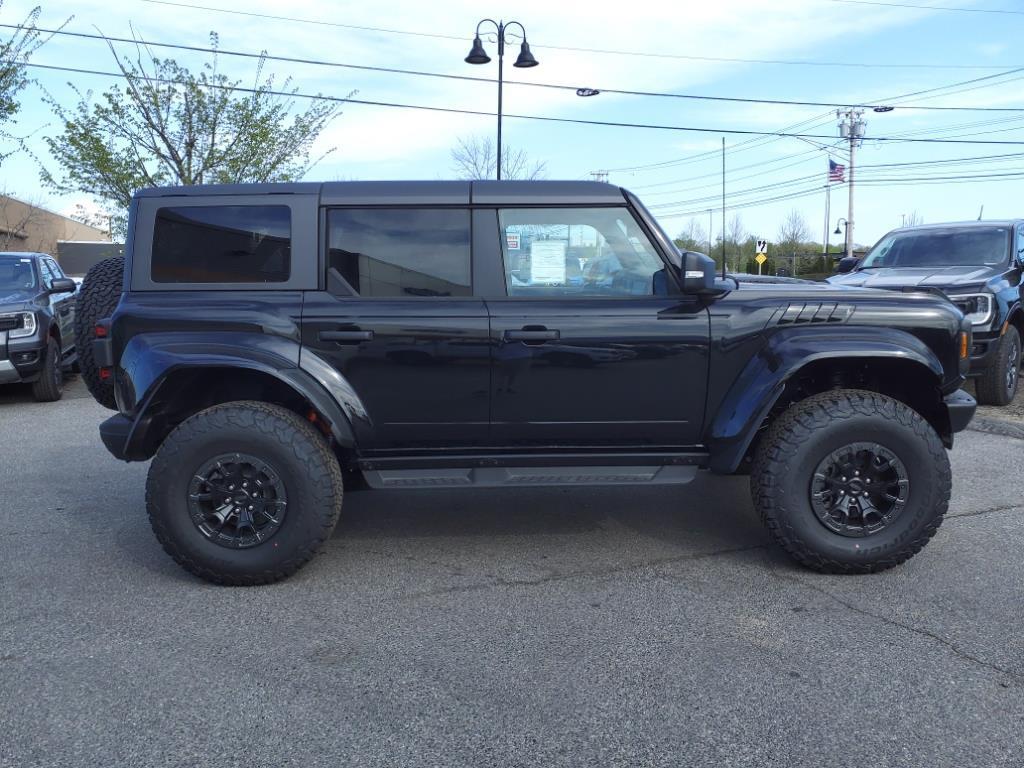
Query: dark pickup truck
pixel 979 266
pixel 267 345
pixel 37 309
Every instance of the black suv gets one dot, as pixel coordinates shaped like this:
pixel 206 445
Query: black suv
pixel 979 265
pixel 37 309
pixel 266 345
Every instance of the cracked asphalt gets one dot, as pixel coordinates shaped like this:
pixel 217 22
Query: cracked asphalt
pixel 640 626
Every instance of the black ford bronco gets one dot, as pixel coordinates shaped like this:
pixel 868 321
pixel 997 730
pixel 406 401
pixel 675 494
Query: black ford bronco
pixel 37 309
pixel 979 266
pixel 266 345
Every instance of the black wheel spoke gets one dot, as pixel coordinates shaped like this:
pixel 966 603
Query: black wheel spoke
pixel 228 500
pixel 859 489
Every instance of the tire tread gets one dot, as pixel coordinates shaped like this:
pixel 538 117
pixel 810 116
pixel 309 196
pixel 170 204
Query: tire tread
pixel 822 412
pixel 309 447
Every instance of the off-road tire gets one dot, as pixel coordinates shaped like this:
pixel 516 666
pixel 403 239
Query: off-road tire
pixel 49 387
pixel 300 455
pixel 97 299
pixel 810 430
pixel 991 387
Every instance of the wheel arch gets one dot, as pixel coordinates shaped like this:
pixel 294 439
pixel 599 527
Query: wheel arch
pixel 791 369
pixel 187 388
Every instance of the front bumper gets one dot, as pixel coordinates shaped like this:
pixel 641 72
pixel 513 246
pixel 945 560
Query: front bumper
pixel 21 360
pixel 983 349
pixel 960 406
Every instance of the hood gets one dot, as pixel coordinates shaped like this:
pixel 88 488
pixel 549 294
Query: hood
pixel 916 277
pixel 11 301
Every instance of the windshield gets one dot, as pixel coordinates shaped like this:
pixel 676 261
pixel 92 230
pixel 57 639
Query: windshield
pixel 973 246
pixel 16 275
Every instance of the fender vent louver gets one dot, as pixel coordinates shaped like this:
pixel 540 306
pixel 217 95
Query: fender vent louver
pixel 796 314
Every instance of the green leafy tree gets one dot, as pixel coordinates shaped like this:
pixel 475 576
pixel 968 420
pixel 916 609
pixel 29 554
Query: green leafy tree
pixel 16 48
pixel 170 126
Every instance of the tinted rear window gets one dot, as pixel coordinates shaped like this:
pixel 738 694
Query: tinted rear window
pixel 222 244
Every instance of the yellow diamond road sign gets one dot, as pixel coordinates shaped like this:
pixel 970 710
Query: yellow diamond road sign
pixel 760 258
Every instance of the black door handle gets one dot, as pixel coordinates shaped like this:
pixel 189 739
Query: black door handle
pixel 343 337
pixel 536 336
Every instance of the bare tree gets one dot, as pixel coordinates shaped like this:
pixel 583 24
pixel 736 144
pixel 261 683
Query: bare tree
pixel 693 238
pixel 914 219
pixel 793 233
pixel 475 157
pixel 20 223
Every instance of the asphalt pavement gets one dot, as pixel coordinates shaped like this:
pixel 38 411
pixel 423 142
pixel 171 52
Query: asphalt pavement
pixel 544 627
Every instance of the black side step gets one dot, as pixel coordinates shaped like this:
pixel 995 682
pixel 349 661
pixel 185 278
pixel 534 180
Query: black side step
pixel 491 477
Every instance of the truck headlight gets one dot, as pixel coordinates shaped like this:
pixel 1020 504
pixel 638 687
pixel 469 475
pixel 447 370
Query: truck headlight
pixel 25 325
pixel 978 308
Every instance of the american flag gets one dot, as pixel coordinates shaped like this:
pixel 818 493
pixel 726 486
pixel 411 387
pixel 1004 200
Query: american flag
pixel 836 172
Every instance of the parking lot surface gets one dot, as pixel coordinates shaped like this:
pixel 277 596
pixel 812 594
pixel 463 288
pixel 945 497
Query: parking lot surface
pixel 640 626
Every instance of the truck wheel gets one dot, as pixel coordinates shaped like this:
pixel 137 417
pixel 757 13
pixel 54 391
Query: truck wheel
pixel 998 384
pixel 97 299
pixel 243 493
pixel 49 387
pixel 850 481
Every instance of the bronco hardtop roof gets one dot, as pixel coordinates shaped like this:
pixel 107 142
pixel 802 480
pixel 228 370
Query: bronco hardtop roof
pixel 416 192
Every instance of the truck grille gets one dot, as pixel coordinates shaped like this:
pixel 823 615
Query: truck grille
pixel 10 322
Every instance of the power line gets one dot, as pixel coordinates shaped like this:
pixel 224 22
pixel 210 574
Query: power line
pixel 929 7
pixel 645 54
pixel 264 56
pixel 542 118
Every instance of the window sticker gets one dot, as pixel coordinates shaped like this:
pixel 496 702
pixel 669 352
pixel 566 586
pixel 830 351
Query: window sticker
pixel 512 240
pixel 547 262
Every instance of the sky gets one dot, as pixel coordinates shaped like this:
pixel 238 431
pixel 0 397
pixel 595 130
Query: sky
pixel 834 52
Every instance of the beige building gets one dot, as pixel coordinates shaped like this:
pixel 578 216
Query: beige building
pixel 27 227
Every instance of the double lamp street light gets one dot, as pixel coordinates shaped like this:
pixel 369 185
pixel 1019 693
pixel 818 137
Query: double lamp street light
pixel 479 56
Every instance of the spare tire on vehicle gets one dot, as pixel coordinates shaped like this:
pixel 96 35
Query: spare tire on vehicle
pixel 97 299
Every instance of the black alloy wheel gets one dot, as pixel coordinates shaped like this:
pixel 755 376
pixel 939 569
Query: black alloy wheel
pixel 859 489
pixel 237 500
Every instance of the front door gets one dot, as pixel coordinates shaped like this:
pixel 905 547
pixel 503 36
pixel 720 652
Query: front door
pixel 399 322
pixel 593 344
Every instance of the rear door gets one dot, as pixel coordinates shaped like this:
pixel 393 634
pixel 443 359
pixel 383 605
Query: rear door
pixel 398 320
pixel 593 344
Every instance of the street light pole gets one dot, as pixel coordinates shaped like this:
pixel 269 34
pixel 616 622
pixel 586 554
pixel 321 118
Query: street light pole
pixel 477 55
pixel 846 235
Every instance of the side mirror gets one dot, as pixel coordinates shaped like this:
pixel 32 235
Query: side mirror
pixel 63 285
pixel 697 273
pixel 846 264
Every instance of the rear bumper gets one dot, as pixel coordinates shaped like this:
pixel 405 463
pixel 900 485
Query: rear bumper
pixel 961 407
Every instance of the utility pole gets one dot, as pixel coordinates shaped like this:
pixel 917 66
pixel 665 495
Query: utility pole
pixel 601 176
pixel 710 225
pixel 851 128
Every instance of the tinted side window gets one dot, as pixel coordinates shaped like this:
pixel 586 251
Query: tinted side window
pixel 222 244
pixel 400 252
pixel 1020 243
pixel 553 252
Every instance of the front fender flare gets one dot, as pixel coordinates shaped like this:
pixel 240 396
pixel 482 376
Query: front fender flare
pixel 759 386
